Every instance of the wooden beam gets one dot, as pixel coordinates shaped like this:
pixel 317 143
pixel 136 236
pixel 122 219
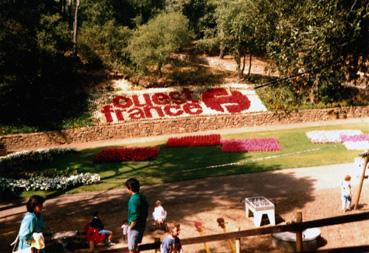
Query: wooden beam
pixel 261 231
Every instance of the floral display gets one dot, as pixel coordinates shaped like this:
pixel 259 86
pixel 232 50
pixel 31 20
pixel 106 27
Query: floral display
pixel 193 141
pixel 355 138
pixel 127 154
pixel 48 183
pixel 177 102
pixel 330 136
pixel 356 145
pixel 251 145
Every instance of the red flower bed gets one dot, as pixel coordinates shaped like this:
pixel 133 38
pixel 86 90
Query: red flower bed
pixel 127 154
pixel 251 145
pixel 193 141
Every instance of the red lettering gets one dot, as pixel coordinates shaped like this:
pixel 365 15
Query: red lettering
pixel 136 113
pixel 168 110
pixel 107 112
pixel 157 109
pixel 160 99
pixel 136 100
pixel 193 108
pixel 119 115
pixel 127 102
pixel 177 97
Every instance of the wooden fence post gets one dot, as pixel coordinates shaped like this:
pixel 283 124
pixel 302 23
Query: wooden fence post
pixel 299 233
pixel 366 157
pixel 238 244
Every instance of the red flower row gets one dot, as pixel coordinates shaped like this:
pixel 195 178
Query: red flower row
pixel 193 141
pixel 127 154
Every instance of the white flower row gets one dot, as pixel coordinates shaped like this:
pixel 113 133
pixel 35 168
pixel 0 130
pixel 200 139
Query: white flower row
pixel 330 136
pixel 47 183
pixel 357 145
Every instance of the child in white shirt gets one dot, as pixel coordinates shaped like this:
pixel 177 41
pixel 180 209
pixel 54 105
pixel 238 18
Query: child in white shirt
pixel 346 193
pixel 159 215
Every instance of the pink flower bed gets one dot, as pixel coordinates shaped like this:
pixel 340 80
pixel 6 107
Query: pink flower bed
pixel 355 138
pixel 127 154
pixel 251 145
pixel 193 141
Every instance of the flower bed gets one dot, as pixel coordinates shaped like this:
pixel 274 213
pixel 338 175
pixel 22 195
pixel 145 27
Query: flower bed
pixel 355 138
pixel 251 145
pixel 127 154
pixel 194 141
pixel 330 136
pixel 356 145
pixel 47 183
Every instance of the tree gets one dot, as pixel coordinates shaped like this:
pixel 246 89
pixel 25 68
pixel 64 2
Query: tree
pixel 244 27
pixel 153 42
pixel 322 45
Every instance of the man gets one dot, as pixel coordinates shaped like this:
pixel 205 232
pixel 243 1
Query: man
pixel 137 214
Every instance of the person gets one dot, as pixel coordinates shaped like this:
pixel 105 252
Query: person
pixel 159 215
pixel 98 224
pixel 172 243
pixel 137 214
pixel 125 229
pixel 346 193
pixel 32 226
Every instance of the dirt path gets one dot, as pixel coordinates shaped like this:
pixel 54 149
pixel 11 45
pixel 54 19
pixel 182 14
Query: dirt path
pixel 313 190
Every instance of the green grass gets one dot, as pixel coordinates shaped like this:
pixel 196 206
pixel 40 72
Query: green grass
pixel 178 164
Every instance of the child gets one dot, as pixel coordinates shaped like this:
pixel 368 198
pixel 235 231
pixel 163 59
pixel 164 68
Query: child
pixel 125 229
pixel 346 193
pixel 159 215
pixel 171 243
pixel 97 223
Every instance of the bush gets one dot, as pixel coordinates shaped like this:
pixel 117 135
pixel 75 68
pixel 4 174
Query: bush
pixel 127 154
pixel 153 42
pixel 21 163
pixel 193 141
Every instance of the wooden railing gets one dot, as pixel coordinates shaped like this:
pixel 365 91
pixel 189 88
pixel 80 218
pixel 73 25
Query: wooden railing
pixel 296 227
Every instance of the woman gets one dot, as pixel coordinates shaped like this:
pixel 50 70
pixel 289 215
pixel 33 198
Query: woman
pixel 32 222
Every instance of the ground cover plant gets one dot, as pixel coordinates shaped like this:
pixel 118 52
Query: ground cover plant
pixel 250 145
pixel 126 154
pixel 186 163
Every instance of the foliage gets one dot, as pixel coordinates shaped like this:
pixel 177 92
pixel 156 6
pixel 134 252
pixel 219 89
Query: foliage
pixel 107 42
pixel 244 27
pixel 153 42
pixel 25 163
pixel 329 41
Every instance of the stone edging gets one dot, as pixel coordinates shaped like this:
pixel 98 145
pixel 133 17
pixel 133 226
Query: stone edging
pixel 158 127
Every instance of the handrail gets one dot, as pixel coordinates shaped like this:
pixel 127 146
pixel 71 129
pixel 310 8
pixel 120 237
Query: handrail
pixel 259 231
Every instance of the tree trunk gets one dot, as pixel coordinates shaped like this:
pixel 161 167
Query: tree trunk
pixel 237 58
pixel 159 69
pixel 243 64
pixel 250 60
pixel 75 27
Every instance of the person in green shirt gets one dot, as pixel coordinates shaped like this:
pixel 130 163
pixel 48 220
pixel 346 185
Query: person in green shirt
pixel 137 214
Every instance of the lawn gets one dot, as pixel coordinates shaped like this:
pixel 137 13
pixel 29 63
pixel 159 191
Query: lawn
pixel 177 164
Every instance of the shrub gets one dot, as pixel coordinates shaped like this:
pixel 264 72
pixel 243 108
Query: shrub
pixel 127 154
pixel 193 141
pixel 20 162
